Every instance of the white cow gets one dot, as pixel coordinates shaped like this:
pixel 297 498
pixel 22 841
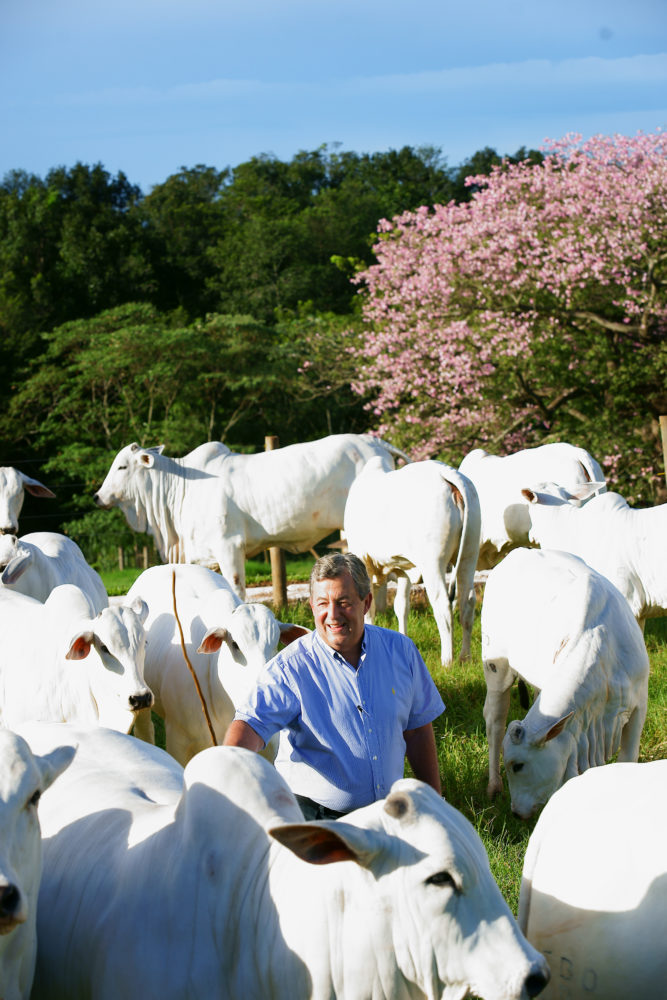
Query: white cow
pixel 594 888
pixel 13 485
pixel 227 642
pixel 226 508
pixel 212 885
pixel 40 673
pixel 625 545
pixel 23 778
pixel 37 563
pixel 499 480
pixel 550 619
pixel 416 522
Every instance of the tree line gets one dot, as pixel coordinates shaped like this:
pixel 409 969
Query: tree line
pixel 281 297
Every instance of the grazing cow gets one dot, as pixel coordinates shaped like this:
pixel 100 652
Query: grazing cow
pixel 23 778
pixel 13 485
pixel 499 480
pixel 227 508
pixel 594 888
pixel 37 563
pixel 551 620
pixel 212 885
pixel 625 545
pixel 415 522
pixel 227 642
pixel 40 677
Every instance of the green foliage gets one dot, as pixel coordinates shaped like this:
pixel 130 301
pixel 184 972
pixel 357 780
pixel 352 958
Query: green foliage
pixel 219 306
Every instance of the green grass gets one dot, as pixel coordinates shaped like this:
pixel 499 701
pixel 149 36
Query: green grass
pixel 258 574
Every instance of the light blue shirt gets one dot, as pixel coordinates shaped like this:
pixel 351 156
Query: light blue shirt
pixel 341 729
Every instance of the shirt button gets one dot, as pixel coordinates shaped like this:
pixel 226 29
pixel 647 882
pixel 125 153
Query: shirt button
pixel 375 757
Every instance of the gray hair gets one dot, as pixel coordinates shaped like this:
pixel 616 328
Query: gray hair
pixel 331 566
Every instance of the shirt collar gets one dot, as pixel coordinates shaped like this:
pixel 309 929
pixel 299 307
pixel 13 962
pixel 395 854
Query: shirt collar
pixel 335 655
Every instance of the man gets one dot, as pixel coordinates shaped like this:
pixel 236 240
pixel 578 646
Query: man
pixel 350 701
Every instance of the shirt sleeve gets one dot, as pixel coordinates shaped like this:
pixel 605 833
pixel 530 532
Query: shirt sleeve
pixel 427 704
pixel 272 704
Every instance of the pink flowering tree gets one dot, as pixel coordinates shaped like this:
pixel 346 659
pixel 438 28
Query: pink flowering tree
pixel 535 312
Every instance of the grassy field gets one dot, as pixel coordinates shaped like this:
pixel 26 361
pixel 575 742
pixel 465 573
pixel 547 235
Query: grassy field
pixel 460 732
pixel 258 574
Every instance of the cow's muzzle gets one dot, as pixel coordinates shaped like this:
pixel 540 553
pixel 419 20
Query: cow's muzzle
pixel 11 910
pixel 140 701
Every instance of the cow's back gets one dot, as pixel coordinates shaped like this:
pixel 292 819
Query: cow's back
pixel 506 517
pixel 410 513
pixel 543 606
pixel 594 888
pixel 64 562
pixel 296 493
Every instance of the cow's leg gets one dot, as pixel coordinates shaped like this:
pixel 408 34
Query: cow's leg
pixel 378 591
pixel 231 559
pixel 496 706
pixel 143 726
pixel 380 598
pixel 179 742
pixel 436 590
pixel 402 601
pixel 632 730
pixel 465 585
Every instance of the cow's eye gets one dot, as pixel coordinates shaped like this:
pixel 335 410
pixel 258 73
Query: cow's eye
pixel 517 767
pixel 121 468
pixel 34 798
pixel 442 878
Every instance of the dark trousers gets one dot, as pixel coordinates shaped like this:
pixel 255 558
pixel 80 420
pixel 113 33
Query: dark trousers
pixel 313 810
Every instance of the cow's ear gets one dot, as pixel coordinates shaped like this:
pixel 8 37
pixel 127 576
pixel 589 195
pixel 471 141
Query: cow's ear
pixel 35 488
pixel 54 763
pixel 80 646
pixel 213 640
pixel 584 491
pixel 140 609
pixel 16 567
pixel 323 842
pixel 550 730
pixel 289 632
pixel 146 459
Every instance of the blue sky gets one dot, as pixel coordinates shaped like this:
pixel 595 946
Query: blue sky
pixel 148 86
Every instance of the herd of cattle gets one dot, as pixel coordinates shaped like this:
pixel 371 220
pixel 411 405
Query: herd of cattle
pixel 191 873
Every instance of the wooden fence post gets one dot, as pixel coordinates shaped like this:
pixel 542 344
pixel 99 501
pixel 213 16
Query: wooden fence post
pixel 663 432
pixel 278 571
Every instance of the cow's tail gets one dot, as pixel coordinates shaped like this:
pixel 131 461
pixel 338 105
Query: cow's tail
pixel 471 526
pixel 592 470
pixel 393 450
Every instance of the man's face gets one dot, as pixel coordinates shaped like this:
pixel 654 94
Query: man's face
pixel 339 614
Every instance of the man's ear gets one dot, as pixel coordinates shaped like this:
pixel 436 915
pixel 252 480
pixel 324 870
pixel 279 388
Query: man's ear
pixel 368 600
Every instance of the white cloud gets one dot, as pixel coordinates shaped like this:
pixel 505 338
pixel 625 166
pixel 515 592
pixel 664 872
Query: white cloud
pixel 530 80
pixel 643 69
